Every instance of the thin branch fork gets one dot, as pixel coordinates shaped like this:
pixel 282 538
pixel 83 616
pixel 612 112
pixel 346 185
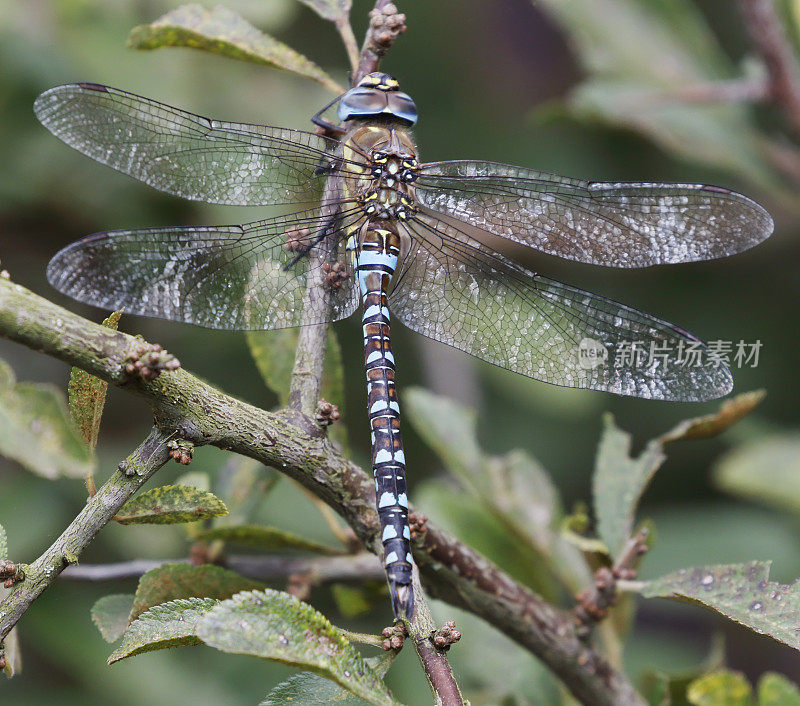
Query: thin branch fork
pixel 295 445
pixel 151 455
pixel 593 603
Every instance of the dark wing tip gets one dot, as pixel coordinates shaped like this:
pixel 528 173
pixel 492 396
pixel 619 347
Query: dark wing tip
pixel 47 101
pixel 93 87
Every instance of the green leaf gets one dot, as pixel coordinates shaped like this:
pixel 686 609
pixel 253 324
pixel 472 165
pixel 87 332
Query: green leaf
pixel 172 581
pixel 110 614
pixel 619 481
pixel 663 689
pixel 265 538
pixel 710 425
pixel 742 592
pixel 721 688
pixel 308 688
pixel 514 488
pixel 450 430
pixel 351 601
pixel 171 504
pixel 332 10
pixel 661 48
pixel 766 470
pixel 244 483
pixel 273 353
pixel 87 396
pixel 776 690
pixel 277 626
pixel 172 624
pixel 36 430
pixel 7 378
pixel 222 31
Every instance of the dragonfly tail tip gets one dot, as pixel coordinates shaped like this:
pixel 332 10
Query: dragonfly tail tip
pixel 402 600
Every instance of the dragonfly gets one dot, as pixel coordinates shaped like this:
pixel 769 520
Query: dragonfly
pixel 378 226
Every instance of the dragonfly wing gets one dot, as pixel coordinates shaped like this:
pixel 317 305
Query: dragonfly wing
pixel 239 277
pixel 615 224
pixel 185 154
pixel 457 291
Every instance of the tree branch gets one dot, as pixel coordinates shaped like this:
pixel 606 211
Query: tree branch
pixel 317 570
pixel 345 30
pixel 297 447
pixel 434 661
pixel 100 508
pixel 771 42
pixel 311 341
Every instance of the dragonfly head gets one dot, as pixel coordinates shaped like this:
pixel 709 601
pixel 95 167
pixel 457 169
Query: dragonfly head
pixel 377 95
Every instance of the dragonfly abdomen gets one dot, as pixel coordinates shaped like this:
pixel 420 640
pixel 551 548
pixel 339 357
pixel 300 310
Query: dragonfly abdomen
pixel 376 260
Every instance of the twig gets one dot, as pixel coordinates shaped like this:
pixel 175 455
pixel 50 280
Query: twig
pixel 386 24
pixel 771 42
pixel 737 90
pixel 362 637
pixel 593 603
pixel 139 467
pixel 435 664
pixel 319 570
pixel 345 30
pixel 311 341
pixel 291 443
pixel 344 535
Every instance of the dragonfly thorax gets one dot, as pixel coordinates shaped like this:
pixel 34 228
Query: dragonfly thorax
pixel 383 169
pixel 388 203
pixel 394 168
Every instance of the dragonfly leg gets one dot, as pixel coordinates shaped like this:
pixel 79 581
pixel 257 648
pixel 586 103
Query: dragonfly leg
pixel 303 250
pixel 330 128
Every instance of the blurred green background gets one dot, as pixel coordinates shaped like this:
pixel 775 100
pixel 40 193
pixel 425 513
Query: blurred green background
pixel 555 85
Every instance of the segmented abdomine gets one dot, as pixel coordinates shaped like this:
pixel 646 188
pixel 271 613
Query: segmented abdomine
pixel 375 259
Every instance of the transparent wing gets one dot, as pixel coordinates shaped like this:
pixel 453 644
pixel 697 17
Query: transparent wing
pixel 455 290
pixel 185 154
pixel 602 223
pixel 240 277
